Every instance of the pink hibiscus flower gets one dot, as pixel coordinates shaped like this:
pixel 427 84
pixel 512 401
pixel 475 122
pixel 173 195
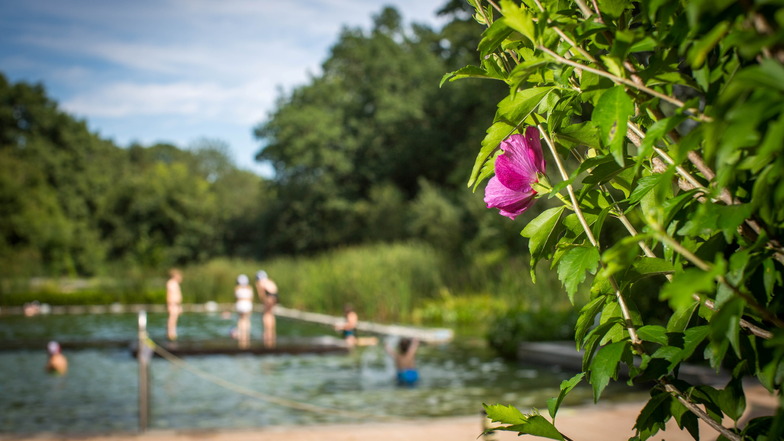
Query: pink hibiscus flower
pixel 515 170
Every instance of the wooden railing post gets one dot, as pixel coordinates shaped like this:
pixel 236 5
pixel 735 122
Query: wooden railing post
pixel 143 354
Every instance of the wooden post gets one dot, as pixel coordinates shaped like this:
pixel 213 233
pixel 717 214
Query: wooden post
pixel 143 355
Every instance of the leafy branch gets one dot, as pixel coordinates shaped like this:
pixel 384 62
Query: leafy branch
pixel 696 91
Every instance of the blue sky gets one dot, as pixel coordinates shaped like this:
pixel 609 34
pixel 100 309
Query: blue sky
pixel 179 71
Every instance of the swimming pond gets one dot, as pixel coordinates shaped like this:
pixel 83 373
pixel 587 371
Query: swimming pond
pixel 99 394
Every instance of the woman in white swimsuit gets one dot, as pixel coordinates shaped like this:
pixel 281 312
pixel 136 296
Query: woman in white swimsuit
pixel 244 295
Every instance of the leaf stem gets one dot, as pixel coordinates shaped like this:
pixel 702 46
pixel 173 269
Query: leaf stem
pixel 625 81
pixel 635 339
pixel 705 266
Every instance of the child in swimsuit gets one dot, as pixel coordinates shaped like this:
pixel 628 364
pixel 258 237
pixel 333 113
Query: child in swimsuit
pixel 405 363
pixel 349 327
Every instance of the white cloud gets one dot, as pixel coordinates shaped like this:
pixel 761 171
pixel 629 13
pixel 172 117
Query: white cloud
pixel 243 103
pixel 191 64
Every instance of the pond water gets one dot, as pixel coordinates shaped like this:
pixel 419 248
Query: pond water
pixel 99 394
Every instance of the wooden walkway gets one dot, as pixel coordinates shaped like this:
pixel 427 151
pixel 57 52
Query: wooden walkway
pixel 294 346
pixel 565 355
pixel 429 335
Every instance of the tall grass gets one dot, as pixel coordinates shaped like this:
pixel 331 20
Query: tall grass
pixel 382 281
pixel 403 282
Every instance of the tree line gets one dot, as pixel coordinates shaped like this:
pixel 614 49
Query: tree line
pixel 370 150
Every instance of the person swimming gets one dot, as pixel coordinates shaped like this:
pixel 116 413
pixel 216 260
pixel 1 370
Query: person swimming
pixel 405 361
pixel 349 327
pixel 57 363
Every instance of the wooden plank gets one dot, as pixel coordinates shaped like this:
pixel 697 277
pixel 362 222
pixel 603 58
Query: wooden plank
pixel 429 335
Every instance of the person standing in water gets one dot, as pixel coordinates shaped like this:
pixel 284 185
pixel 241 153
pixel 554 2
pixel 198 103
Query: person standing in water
pixel 405 361
pixel 57 363
pixel 244 295
pixel 173 302
pixel 268 294
pixel 349 327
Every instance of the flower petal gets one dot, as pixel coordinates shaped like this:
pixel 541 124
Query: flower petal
pixel 521 160
pixel 535 148
pixel 510 203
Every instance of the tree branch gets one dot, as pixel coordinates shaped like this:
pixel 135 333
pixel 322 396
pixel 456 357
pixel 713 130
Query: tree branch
pixel 695 409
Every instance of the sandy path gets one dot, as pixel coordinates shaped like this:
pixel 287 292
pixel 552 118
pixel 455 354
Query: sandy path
pixel 586 423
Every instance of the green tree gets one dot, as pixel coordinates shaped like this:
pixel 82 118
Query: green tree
pixel 68 170
pixel 367 123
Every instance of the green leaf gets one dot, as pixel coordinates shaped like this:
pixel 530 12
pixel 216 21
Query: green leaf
pixel 681 317
pixel 605 366
pixel 644 267
pixel 531 424
pixel 591 341
pixel 701 47
pixel 653 416
pixel 468 72
pixel 585 133
pixel 602 173
pixel 504 414
pixel 610 115
pixel 732 400
pixel 587 317
pixel 653 333
pixel 523 71
pixel 771 277
pixel 553 404
pixel 613 8
pixel 672 206
pixel 519 19
pixel 495 134
pixel 493 36
pixel 517 107
pixel 685 283
pixel 710 216
pixel 768 74
pixel 657 131
pixel 725 324
pixel 621 255
pixel 644 186
pixel 573 265
pixel 685 418
pixel 537 425
pixel 692 338
pixel 542 230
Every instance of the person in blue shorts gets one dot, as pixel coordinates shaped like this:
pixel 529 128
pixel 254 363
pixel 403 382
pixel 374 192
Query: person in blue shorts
pixel 405 361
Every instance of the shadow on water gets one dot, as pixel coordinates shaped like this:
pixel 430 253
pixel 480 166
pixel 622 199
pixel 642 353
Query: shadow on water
pixel 99 394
